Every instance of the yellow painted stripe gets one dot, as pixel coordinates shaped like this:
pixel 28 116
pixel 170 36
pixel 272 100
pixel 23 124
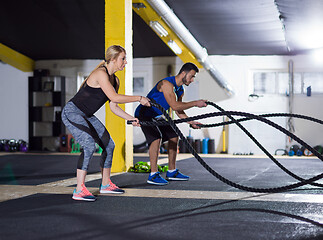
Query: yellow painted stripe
pixel 115 35
pixel 16 59
pixel 149 14
pixel 9 192
pixel 218 195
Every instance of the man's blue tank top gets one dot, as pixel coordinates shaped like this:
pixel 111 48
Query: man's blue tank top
pixel 159 98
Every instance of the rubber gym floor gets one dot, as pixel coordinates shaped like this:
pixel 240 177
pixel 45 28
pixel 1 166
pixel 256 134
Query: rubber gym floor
pixel 36 203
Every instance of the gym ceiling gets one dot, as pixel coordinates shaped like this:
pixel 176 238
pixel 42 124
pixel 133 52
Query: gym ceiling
pixel 74 29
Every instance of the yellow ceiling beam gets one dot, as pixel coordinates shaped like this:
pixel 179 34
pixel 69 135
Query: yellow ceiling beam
pixel 16 59
pixel 148 14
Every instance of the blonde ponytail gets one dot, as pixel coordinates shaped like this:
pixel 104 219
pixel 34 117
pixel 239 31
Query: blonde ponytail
pixel 111 53
pixel 100 64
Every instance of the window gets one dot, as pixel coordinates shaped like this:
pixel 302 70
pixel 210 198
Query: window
pixel 278 82
pixel 313 80
pixel 138 84
pixel 264 82
pixel 283 83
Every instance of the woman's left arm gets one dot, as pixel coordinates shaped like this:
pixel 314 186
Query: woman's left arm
pixel 121 113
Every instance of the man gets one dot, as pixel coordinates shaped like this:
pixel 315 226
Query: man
pixel 168 92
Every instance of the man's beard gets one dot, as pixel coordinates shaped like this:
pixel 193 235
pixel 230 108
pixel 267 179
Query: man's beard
pixel 184 80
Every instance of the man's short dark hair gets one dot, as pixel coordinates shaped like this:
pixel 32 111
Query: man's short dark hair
pixel 188 67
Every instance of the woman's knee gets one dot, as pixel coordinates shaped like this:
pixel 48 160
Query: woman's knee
pixel 89 148
pixel 111 144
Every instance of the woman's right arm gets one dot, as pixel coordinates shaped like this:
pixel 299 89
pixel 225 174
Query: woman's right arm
pixel 109 90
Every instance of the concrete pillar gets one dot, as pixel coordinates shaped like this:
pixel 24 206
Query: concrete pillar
pixel 118 31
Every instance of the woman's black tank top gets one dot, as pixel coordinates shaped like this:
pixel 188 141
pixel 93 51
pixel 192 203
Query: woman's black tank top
pixel 89 99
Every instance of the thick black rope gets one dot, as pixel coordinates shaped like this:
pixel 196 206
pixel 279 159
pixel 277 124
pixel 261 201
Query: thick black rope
pixel 268 115
pixel 207 115
pixel 223 179
pixel 262 147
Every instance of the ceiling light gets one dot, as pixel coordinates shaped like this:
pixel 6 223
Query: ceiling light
pixel 318 55
pixel 173 45
pixel 311 37
pixel 138 5
pixel 158 28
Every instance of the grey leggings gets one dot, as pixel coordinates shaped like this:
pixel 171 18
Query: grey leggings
pixel 87 131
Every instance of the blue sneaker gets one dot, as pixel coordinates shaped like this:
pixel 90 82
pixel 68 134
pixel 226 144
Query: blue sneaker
pixel 156 179
pixel 176 176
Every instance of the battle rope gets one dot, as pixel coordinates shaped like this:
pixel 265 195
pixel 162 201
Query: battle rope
pixel 262 148
pixel 302 182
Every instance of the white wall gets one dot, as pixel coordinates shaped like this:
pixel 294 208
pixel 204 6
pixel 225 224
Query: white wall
pixel 13 103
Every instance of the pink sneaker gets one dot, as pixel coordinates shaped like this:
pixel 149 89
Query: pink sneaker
pixel 110 188
pixel 83 194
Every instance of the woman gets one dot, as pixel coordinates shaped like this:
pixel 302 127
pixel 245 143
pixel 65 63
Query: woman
pixel 101 85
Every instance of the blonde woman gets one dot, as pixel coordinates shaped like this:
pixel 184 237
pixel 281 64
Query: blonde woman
pixel 101 86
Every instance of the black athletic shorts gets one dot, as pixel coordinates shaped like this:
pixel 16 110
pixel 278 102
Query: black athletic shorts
pixel 157 132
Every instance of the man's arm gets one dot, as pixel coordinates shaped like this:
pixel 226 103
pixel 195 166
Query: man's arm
pixel 177 105
pixel 167 88
pixel 181 114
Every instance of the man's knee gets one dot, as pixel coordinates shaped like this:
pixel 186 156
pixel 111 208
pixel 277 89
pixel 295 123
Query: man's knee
pixel 155 143
pixel 173 140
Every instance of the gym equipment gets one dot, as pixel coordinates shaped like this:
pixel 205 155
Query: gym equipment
pixel 299 152
pixel 319 149
pixel 294 148
pixel 308 152
pixel 224 147
pixel 75 146
pixel 65 142
pixel 284 152
pixel 182 147
pixel 190 140
pixel 11 146
pixel 144 167
pixel 309 91
pixel 211 146
pixel 98 149
pixel 22 145
pixel 162 149
pixel 2 143
pixel 197 145
pixel 162 168
pixel 140 167
pixel 302 149
pixel 205 146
